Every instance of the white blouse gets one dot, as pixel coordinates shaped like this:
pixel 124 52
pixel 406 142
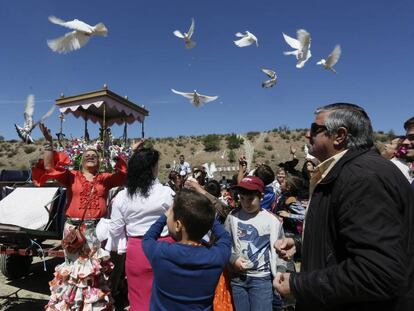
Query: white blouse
pixel 134 215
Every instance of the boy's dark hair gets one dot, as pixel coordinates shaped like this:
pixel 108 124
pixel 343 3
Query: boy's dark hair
pixel 265 173
pixel 409 123
pixel 195 212
pixel 213 187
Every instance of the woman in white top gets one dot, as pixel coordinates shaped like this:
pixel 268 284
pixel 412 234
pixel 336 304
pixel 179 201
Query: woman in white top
pixel 134 210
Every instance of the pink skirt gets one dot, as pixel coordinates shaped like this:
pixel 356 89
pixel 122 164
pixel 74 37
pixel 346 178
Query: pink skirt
pixel 139 274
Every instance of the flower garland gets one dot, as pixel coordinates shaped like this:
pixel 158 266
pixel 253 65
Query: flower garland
pixel 75 148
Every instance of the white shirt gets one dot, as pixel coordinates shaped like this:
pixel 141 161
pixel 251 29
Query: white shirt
pixel 134 215
pixel 184 168
pixel 404 168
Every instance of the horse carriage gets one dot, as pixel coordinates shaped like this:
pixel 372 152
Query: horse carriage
pixel 32 218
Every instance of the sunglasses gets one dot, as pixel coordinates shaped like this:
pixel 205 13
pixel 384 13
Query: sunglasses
pixel 410 137
pixel 317 128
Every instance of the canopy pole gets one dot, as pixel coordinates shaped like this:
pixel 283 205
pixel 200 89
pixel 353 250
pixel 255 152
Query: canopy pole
pixel 142 129
pixel 86 134
pixel 104 134
pixel 125 135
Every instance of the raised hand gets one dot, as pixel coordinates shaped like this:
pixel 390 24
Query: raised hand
pixel 136 145
pixel 46 132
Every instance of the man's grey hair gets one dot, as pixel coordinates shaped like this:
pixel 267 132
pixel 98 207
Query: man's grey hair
pixel 354 119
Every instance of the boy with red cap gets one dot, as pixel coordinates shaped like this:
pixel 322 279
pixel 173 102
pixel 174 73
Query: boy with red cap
pixel 253 261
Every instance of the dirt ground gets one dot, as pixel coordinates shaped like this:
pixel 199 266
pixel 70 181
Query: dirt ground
pixel 30 292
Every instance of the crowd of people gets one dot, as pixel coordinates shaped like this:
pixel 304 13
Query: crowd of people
pixel 337 234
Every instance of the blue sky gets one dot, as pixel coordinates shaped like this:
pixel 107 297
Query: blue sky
pixel 142 59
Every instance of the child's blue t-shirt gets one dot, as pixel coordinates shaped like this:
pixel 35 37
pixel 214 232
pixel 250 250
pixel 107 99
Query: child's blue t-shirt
pixel 185 276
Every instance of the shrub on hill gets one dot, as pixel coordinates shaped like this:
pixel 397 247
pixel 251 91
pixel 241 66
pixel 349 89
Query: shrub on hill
pixel 252 135
pixel 211 142
pixel 233 142
pixel 232 156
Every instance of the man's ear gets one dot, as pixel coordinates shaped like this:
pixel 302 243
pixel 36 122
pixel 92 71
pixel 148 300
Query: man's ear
pixel 341 137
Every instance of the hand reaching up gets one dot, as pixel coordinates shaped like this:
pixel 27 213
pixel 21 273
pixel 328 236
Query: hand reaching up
pixel 46 132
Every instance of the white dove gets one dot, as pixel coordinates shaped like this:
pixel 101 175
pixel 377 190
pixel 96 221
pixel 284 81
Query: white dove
pixel 25 131
pixel 195 98
pixel 332 59
pixel 77 38
pixel 272 81
pixel 301 45
pixel 246 39
pixel 306 152
pixel 187 36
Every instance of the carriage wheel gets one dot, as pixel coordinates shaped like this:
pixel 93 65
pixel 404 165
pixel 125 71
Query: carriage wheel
pixel 15 266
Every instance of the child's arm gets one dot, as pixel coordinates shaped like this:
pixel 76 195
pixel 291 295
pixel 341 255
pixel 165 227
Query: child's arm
pixel 298 211
pixel 238 262
pixel 149 242
pixel 276 263
pixel 223 240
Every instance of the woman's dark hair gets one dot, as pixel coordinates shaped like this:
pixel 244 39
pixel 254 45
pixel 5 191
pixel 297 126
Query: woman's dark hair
pixel 140 171
pixel 195 211
pixel 213 187
pixel 305 172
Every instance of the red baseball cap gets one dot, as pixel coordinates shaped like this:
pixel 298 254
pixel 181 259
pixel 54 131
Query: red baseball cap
pixel 251 183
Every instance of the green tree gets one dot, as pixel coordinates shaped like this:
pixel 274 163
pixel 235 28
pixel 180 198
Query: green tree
pixel 232 156
pixel 211 142
pixel 233 142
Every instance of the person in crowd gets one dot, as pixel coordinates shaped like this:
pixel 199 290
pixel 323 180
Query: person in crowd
pixel 408 151
pixel 392 149
pixel 307 170
pixel 222 209
pixel 175 181
pixel 134 210
pixel 266 174
pixel 290 165
pixel 280 177
pixel 200 174
pixel 186 272
pixel 289 206
pixel 86 196
pixel 408 143
pixel 223 182
pixel 183 167
pixel 213 187
pixel 253 261
pixel 358 240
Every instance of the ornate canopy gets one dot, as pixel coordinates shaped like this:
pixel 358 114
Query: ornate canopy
pixel 103 106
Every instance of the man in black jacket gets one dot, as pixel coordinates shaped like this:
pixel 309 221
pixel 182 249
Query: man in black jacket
pixel 358 240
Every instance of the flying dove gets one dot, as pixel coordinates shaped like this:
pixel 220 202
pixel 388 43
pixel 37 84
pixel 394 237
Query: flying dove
pixel 28 126
pixel 77 38
pixel 195 98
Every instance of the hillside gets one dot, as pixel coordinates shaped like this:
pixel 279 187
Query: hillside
pixel 270 147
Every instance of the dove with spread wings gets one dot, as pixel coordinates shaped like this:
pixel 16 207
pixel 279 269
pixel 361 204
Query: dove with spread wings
pixel 195 98
pixel 332 59
pixel 272 81
pixel 25 131
pixel 77 38
pixel 246 39
pixel 301 47
pixel 189 44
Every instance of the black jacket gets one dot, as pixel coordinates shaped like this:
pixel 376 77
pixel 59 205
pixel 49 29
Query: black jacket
pixel 358 243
